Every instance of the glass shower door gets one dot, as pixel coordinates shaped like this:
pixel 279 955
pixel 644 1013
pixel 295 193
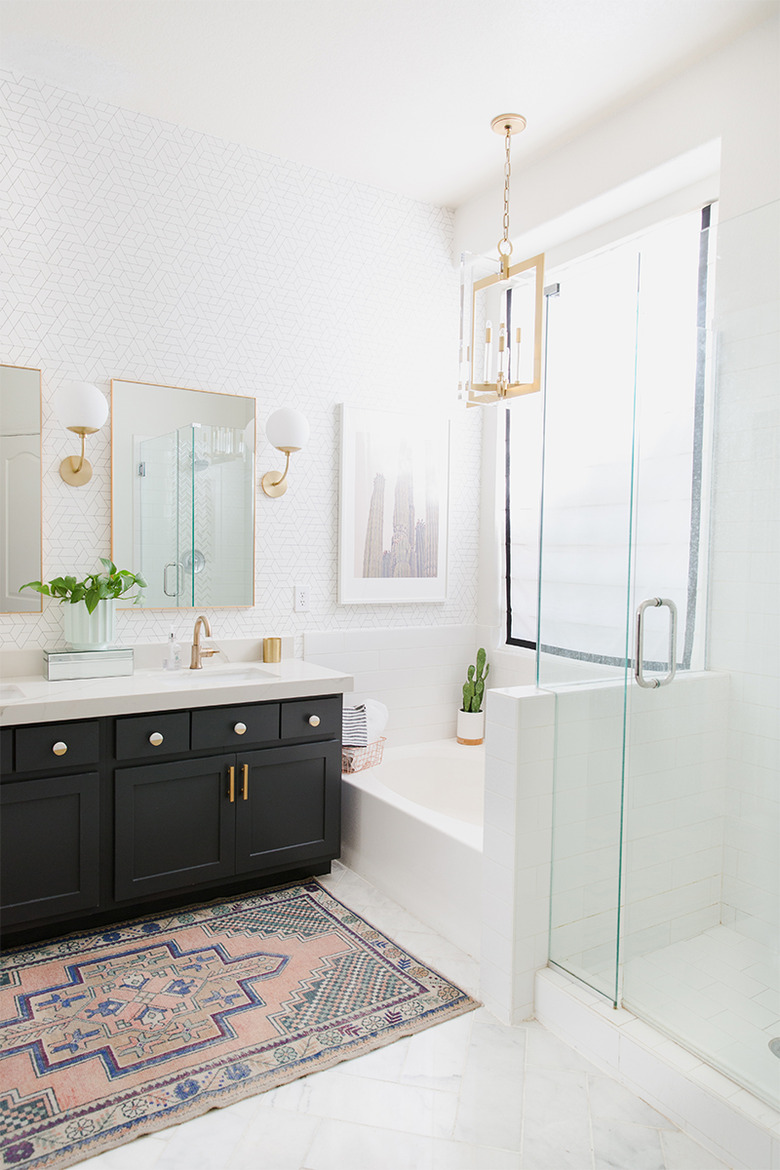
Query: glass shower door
pixel 166 513
pixel 621 493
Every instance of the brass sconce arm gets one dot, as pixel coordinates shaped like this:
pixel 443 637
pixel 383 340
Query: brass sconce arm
pixel 274 484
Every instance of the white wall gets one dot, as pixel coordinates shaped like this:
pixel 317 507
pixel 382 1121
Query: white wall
pixel 417 673
pixel 141 250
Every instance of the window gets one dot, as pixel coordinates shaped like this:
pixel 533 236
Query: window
pixel 612 456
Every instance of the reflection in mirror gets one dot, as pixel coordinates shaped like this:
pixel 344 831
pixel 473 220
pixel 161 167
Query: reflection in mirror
pixel 20 487
pixel 182 496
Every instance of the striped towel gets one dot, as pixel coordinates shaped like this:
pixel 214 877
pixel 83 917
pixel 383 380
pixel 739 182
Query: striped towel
pixel 354 726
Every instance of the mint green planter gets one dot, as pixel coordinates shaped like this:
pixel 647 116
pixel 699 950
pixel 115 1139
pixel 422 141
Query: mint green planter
pixel 89 631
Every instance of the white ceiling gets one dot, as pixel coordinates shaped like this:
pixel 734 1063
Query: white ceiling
pixel 398 94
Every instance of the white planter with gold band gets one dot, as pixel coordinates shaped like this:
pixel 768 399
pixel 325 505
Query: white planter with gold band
pixel 471 727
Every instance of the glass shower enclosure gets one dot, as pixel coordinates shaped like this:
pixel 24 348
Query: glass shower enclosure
pixel 194 494
pixel 666 835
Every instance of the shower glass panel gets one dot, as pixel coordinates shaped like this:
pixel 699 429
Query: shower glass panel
pixel 585 542
pixel 665 884
pixel 621 521
pixel 195 507
pixel 701 880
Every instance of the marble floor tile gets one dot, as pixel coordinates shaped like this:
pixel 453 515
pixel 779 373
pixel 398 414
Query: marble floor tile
pixel 682 1153
pixel 342 1146
pixel 617 1145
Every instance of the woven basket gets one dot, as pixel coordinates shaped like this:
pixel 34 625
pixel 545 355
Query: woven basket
pixel 357 759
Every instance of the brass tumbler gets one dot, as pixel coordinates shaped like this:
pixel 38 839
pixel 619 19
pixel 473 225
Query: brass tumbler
pixel 272 649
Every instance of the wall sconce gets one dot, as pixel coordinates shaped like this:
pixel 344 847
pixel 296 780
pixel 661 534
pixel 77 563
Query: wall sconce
pixel 81 408
pixel 288 431
pixel 496 360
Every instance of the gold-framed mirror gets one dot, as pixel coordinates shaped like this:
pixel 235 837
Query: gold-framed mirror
pixel 20 488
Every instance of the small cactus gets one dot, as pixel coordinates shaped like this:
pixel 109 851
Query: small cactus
pixel 474 689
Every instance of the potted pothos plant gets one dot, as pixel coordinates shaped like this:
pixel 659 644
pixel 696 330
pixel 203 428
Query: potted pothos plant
pixel 471 717
pixel 90 604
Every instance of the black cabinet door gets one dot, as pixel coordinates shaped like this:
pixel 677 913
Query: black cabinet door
pixel 287 806
pixel 49 847
pixel 174 826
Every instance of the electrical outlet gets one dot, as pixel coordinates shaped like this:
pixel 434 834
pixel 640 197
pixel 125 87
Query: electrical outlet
pixel 301 598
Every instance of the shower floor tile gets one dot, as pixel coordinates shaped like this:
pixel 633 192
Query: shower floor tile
pixel 719 992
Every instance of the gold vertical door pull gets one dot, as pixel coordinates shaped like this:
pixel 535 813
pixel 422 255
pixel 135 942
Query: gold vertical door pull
pixel 246 782
pixel 232 783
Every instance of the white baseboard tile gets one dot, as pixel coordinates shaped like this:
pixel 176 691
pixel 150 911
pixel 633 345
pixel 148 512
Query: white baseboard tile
pixel 738 1128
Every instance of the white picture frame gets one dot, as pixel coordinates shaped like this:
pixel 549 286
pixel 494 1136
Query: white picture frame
pixel 394 489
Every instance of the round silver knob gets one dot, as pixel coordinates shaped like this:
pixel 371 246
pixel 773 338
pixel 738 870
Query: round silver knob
pixel 314 720
pixel 60 748
pixel 240 728
pixel 155 739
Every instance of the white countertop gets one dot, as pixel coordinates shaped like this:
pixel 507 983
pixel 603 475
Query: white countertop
pixel 31 699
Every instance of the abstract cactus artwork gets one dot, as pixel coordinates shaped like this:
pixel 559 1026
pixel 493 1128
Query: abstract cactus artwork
pixel 394 480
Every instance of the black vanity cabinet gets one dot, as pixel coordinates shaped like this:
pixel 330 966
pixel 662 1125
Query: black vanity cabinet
pixel 177 806
pixel 49 824
pixel 49 846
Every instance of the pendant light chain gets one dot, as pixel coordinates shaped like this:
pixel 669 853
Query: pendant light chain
pixel 507 175
pixel 505 244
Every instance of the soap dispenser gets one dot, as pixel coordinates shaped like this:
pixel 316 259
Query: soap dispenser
pixel 172 654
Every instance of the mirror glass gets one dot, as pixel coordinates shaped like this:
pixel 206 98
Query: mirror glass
pixel 20 487
pixel 182 495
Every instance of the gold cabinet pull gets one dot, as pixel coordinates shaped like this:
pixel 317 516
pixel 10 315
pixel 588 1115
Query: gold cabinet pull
pixel 240 728
pixel 155 739
pixel 246 782
pixel 232 783
pixel 60 748
pixel 314 720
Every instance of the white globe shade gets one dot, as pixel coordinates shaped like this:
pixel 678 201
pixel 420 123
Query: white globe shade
pixel 287 429
pixel 80 404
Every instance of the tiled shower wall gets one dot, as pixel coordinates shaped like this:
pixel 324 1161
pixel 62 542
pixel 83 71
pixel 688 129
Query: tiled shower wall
pixel 143 250
pixel 745 568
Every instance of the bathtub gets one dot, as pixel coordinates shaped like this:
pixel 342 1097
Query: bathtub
pixel 412 826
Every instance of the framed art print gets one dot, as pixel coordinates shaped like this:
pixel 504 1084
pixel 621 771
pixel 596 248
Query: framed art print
pixel 393 507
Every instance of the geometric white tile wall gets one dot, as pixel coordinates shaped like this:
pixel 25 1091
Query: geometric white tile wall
pixel 139 249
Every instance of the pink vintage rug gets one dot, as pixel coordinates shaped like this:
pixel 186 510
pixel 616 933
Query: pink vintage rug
pixel 110 1034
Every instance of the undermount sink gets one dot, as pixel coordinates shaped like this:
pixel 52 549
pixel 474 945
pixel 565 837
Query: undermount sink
pixel 208 675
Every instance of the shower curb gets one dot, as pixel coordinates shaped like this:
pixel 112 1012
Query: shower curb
pixel 713 1110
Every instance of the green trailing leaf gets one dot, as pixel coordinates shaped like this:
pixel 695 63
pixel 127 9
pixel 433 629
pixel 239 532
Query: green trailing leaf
pixel 96 587
pixel 474 689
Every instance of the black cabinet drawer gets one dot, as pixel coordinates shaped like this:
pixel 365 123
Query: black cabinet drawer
pixel 51 745
pixel 233 727
pixel 312 719
pixel 142 736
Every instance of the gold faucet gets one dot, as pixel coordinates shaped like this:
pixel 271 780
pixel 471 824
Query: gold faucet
pixel 197 650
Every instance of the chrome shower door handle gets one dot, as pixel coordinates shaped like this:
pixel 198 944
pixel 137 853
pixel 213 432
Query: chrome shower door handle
pixel 171 593
pixel 655 603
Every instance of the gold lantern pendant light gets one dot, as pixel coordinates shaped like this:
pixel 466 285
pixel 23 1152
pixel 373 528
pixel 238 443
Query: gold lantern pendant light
pixel 507 362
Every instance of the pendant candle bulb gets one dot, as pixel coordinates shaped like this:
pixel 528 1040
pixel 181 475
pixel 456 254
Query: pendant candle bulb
pixel 499 367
